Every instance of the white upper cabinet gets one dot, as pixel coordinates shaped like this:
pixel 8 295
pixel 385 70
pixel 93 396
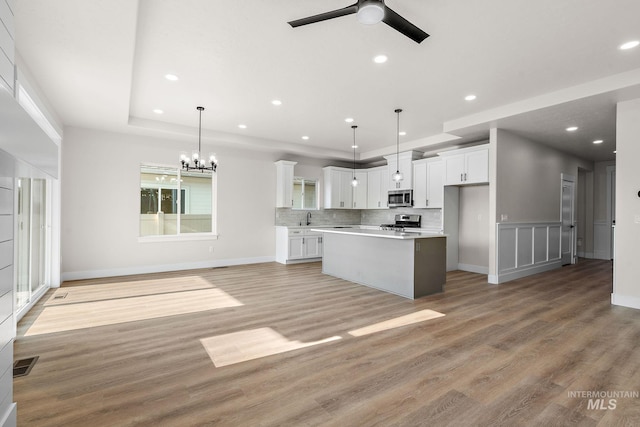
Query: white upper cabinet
pixel 403 163
pixel 466 166
pixel 377 180
pixel 284 184
pixel 360 191
pixel 428 183
pixel 338 192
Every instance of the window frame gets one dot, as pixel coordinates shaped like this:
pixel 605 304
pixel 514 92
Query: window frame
pixel 181 237
pixel 316 197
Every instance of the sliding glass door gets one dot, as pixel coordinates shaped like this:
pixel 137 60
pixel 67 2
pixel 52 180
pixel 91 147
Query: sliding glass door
pixel 31 239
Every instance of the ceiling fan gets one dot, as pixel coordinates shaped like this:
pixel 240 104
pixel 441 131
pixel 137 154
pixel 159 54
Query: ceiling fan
pixel 369 12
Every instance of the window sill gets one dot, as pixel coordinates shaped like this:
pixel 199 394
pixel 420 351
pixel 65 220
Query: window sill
pixel 178 238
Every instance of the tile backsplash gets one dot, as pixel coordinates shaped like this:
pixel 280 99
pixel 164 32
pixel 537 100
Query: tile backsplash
pixel 431 218
pixel 291 217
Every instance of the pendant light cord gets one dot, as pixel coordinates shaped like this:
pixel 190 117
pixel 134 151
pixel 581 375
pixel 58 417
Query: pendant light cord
pixel 354 150
pixel 200 132
pixel 398 111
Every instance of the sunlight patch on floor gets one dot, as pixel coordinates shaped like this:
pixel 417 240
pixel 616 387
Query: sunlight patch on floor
pixel 126 289
pixel 242 346
pixel 409 319
pixel 79 315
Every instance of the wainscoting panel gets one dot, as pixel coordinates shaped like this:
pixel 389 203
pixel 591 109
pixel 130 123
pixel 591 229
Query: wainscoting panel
pixel 541 245
pixel 527 248
pixel 506 248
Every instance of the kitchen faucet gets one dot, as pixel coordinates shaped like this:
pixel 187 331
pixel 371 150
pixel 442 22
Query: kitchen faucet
pixel 308 218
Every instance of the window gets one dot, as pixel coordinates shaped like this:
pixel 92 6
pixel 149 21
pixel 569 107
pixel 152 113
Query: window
pixel 304 193
pixel 176 202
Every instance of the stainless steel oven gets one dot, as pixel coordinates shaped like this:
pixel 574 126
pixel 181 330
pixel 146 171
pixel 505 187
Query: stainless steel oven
pixel 400 198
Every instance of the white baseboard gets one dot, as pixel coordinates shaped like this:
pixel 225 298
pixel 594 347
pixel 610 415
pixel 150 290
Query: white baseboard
pixel 493 279
pixel 524 272
pixel 473 268
pixel 128 271
pixel 625 301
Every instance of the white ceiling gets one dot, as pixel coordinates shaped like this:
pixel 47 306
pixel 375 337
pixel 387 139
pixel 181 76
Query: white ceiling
pixel 535 66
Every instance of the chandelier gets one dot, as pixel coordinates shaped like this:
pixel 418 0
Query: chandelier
pixel 196 162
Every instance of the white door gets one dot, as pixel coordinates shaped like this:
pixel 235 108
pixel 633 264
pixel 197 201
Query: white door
pixel 611 208
pixel 568 224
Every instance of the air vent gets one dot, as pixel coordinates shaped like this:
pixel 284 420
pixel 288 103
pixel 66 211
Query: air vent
pixel 22 367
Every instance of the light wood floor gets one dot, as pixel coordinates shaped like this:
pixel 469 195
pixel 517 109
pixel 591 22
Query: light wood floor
pixel 140 351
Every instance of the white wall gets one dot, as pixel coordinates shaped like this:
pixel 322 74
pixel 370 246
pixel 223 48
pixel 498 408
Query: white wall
pixel 626 285
pixel 100 203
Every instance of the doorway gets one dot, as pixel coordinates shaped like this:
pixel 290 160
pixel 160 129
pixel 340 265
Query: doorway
pixel 567 218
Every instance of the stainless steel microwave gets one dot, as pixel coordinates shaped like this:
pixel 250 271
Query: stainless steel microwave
pixel 400 198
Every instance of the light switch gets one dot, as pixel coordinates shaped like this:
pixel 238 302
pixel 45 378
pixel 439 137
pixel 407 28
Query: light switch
pixel 504 217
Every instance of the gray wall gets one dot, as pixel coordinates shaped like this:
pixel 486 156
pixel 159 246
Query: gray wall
pixel 528 178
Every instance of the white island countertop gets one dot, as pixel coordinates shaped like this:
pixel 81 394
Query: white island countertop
pixel 387 234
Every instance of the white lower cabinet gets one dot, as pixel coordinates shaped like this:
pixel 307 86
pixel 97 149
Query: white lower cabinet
pixel 312 244
pixel 297 245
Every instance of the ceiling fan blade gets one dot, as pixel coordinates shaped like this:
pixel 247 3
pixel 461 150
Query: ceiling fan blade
pixel 397 22
pixel 324 16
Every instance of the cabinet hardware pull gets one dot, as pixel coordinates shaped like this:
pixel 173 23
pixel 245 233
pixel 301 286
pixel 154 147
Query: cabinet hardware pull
pixel 461 177
pixel 427 204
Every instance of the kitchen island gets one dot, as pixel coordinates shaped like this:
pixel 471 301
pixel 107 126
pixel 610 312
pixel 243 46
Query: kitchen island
pixel 409 264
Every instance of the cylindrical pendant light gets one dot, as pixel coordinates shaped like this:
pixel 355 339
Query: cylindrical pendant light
pixel 397 177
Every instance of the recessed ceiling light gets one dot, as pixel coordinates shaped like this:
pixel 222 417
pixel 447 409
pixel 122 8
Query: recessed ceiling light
pixel 402 133
pixel 598 141
pixel 572 128
pixel 158 111
pixel 305 137
pixel 349 120
pixel 380 59
pixel 615 151
pixel 171 77
pixel 629 45
pixel 354 146
pixel 469 97
pixel 276 102
pixel 241 126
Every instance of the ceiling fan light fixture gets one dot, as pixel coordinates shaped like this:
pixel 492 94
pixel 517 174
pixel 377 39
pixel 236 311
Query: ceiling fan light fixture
pixel 370 12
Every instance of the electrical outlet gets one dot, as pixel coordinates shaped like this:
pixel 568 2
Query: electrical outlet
pixel 504 217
